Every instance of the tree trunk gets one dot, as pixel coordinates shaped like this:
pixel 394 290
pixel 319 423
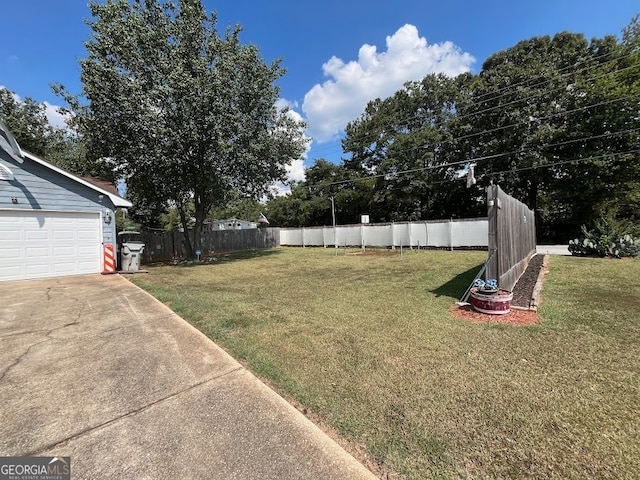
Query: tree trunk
pixel 201 212
pixel 185 233
pixel 197 234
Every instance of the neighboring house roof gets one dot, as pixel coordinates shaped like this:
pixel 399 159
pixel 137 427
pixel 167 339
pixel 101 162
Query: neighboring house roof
pixel 100 186
pixel 101 183
pixel 231 220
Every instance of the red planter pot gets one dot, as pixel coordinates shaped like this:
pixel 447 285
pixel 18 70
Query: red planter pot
pixel 497 303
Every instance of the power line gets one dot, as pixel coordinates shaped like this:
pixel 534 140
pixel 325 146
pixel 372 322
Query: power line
pixel 599 104
pixel 589 59
pixel 502 105
pixel 410 117
pixel 476 159
pixel 562 162
pixel 551 145
pixel 517 151
pixel 548 165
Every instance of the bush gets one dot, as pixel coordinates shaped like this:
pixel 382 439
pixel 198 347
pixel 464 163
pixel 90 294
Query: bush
pixel 606 239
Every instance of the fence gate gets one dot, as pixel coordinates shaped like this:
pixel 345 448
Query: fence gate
pixel 512 236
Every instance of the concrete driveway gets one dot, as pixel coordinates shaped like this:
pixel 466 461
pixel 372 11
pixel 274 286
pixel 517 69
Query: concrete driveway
pixel 94 368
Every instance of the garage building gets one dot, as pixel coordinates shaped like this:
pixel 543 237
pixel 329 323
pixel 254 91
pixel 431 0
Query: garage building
pixel 52 223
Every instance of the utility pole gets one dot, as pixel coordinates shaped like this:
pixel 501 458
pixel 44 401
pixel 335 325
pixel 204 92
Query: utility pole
pixel 333 217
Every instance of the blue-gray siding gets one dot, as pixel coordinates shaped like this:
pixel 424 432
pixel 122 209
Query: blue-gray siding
pixel 36 187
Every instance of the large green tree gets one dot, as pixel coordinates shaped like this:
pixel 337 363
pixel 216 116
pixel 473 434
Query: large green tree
pixel 609 183
pixel 547 121
pixel 27 120
pixel 520 99
pixel 310 202
pixel 187 115
pixel 406 143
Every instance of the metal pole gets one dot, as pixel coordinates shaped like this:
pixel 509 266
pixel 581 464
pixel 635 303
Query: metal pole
pixel 333 218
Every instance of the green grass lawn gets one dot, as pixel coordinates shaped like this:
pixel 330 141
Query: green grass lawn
pixel 368 345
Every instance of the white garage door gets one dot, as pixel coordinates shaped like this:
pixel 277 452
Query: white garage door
pixel 48 244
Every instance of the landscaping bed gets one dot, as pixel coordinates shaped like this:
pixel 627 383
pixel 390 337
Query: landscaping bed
pixel 524 288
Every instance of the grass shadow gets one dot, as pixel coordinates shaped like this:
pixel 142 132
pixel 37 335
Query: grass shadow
pixel 229 257
pixel 456 287
pixel 246 255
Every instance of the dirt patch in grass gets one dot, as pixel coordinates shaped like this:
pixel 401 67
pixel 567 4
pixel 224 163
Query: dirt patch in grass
pixel 516 318
pixel 371 252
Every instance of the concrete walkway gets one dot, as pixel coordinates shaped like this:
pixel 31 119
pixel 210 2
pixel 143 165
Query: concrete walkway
pixel 94 368
pixel 553 250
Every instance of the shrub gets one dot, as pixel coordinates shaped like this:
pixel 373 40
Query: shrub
pixel 606 239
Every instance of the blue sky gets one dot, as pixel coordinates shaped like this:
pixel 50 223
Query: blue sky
pixel 338 54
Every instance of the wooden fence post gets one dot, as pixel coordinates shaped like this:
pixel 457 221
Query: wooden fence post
pixel 492 216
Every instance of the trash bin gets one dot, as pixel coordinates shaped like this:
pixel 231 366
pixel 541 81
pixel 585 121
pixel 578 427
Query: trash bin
pixel 130 248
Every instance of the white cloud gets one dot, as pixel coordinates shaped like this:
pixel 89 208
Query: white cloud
pixel 296 171
pixel 342 98
pixel 284 103
pixel 54 117
pixel 278 189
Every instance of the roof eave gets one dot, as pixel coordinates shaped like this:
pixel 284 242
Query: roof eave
pixel 117 200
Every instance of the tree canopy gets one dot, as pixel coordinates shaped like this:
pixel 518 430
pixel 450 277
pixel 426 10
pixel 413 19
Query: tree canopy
pixel 553 120
pixel 186 115
pixel 556 133
pixel 27 121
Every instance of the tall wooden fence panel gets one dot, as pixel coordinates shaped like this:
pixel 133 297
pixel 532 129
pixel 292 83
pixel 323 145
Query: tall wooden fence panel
pixel 512 237
pixel 167 246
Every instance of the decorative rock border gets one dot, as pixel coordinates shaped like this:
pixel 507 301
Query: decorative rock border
pixel 537 290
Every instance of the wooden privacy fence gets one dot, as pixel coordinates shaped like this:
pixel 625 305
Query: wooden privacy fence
pixel 166 246
pixel 512 236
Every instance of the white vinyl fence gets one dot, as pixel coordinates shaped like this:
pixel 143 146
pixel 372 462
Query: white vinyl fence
pixel 426 234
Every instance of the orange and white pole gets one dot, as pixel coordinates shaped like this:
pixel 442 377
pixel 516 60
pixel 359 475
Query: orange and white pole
pixel 109 264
